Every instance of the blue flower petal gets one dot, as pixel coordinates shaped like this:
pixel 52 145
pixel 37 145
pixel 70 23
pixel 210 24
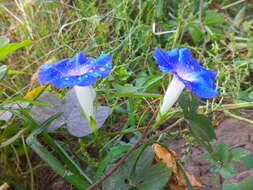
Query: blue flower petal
pixel 102 66
pixel 78 70
pixel 196 78
pixel 201 84
pixel 48 72
pixel 166 60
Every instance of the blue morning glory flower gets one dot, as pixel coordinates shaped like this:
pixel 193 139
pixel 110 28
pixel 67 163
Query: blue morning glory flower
pixel 187 73
pixel 78 70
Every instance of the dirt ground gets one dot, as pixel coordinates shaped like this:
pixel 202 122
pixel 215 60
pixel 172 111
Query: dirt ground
pixel 234 132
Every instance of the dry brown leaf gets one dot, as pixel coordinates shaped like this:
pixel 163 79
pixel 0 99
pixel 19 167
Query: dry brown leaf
pixel 177 181
pixel 174 186
pixel 250 4
pixel 193 179
pixel 5 186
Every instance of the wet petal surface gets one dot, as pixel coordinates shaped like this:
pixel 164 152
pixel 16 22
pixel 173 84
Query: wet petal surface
pixel 180 62
pixel 78 70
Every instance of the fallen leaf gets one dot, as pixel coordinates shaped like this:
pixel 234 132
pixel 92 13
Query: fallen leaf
pixel 5 186
pixel 250 4
pixel 170 159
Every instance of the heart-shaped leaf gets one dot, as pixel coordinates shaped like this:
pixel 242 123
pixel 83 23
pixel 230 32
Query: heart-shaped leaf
pixel 41 113
pixel 146 176
pixel 76 122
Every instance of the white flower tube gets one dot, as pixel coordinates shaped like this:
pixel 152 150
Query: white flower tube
pixel 86 96
pixel 172 93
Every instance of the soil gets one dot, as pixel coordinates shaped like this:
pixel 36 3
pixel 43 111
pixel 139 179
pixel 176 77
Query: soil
pixel 234 132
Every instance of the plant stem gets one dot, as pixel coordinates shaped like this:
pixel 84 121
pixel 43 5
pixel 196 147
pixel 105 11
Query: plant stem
pixel 177 35
pixel 126 131
pixel 201 109
pixel 29 163
pixel 125 156
pixel 229 114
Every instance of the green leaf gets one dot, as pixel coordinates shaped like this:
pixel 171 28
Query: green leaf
pixel 195 32
pixel 4 40
pixel 201 127
pixel 155 177
pixel 251 95
pixel 114 153
pixel 215 168
pixel 130 91
pixel 14 99
pixel 221 153
pixel 151 82
pixel 73 166
pixel 248 162
pixel 14 138
pixel 227 171
pixel 211 17
pixel 189 103
pixel 245 96
pixel 9 48
pixel 3 71
pixel 245 184
pixel 236 154
pixel 73 178
pixel 215 33
pixel 159 8
pixel 120 180
pixel 145 176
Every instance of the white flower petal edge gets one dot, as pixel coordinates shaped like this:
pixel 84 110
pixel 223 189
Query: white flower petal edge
pixel 86 96
pixel 172 93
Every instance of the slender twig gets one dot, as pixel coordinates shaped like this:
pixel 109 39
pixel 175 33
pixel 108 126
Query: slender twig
pixel 125 131
pixel 232 4
pixel 167 129
pixel 171 126
pixel 125 156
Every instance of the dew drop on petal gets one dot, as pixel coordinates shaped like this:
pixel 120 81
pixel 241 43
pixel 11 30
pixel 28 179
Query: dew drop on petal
pixel 102 69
